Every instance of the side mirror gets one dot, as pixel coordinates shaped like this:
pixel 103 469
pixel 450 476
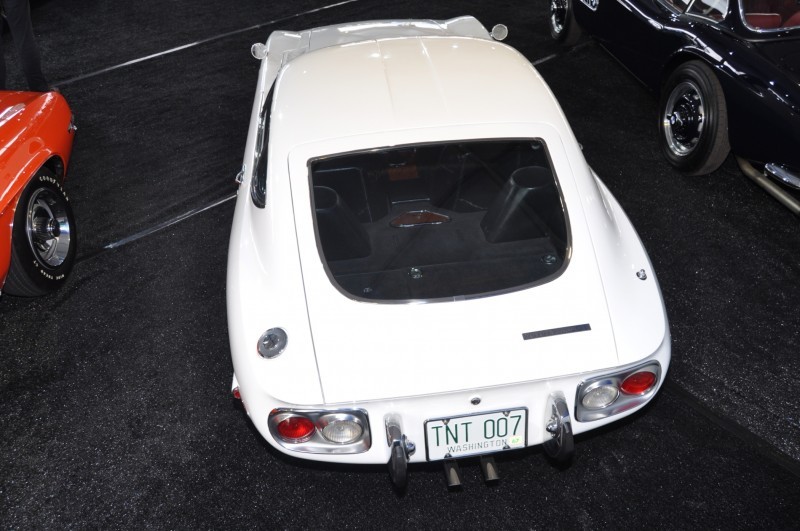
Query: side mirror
pixel 499 32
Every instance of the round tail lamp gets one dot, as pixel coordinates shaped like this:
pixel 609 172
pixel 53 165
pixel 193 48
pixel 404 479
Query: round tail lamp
pixel 296 429
pixel 638 383
pixel 342 431
pixel 600 397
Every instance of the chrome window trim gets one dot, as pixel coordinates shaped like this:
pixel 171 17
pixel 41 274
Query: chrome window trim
pixel 762 32
pixel 673 7
pixel 258 194
pixel 539 282
pixel 705 16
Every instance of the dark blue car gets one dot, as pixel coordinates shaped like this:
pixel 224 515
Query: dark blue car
pixel 727 72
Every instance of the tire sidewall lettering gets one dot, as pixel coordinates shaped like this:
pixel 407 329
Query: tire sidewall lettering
pixel 45 274
pixel 38 266
pixel 28 274
pixel 55 182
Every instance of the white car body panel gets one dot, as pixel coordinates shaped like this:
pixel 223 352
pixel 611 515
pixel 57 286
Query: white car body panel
pixel 422 359
pixel 385 80
pixel 483 333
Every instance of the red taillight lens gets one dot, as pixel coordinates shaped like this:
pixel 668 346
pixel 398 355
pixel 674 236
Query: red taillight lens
pixel 638 383
pixel 236 393
pixel 296 429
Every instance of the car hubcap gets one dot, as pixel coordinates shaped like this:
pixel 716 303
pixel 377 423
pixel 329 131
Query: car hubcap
pixel 558 15
pixel 48 227
pixel 683 118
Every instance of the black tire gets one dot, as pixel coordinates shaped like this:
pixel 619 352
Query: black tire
pixel 398 467
pixel 563 27
pixel 43 239
pixel 693 120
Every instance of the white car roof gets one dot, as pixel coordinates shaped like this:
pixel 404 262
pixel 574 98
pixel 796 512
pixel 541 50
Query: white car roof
pixel 403 83
pixel 326 36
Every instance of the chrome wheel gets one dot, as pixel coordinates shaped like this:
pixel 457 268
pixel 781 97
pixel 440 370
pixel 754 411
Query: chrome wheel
pixel 563 27
pixel 43 240
pixel 47 227
pixel 693 119
pixel 684 118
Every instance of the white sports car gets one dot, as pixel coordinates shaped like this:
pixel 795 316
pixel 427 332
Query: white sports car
pixel 422 265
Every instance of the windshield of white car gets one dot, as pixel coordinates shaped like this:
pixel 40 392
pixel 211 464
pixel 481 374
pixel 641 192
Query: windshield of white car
pixel 440 221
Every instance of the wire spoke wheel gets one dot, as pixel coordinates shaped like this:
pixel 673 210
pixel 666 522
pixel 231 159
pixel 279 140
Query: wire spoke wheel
pixel 563 26
pixel 558 15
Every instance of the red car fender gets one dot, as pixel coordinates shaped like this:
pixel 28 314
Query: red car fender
pixel 41 134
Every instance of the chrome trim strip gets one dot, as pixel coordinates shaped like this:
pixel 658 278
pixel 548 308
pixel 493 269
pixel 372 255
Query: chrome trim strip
pixel 168 223
pixel 761 32
pixel 784 197
pixel 556 331
pixel 545 280
pixel 782 174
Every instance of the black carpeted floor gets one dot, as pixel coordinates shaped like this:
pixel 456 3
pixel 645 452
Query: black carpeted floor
pixel 115 409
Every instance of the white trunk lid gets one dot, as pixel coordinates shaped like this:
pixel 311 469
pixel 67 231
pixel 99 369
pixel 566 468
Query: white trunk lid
pixel 368 351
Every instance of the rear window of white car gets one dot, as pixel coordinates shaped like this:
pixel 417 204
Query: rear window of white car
pixel 440 221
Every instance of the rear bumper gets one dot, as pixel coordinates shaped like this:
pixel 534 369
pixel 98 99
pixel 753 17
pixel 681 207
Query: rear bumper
pixel 411 413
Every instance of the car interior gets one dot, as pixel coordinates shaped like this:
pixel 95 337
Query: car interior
pixel 771 14
pixel 758 14
pixel 445 220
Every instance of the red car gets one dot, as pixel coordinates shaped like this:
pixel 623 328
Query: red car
pixel 37 227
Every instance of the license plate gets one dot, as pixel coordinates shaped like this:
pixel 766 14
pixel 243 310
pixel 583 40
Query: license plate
pixel 476 434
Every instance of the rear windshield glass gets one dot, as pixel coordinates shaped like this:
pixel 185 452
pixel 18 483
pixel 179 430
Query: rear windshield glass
pixel 439 221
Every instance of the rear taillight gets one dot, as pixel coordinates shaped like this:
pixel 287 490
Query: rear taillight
pixel 295 429
pixel 612 394
pixel 638 383
pixel 342 431
pixel 600 397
